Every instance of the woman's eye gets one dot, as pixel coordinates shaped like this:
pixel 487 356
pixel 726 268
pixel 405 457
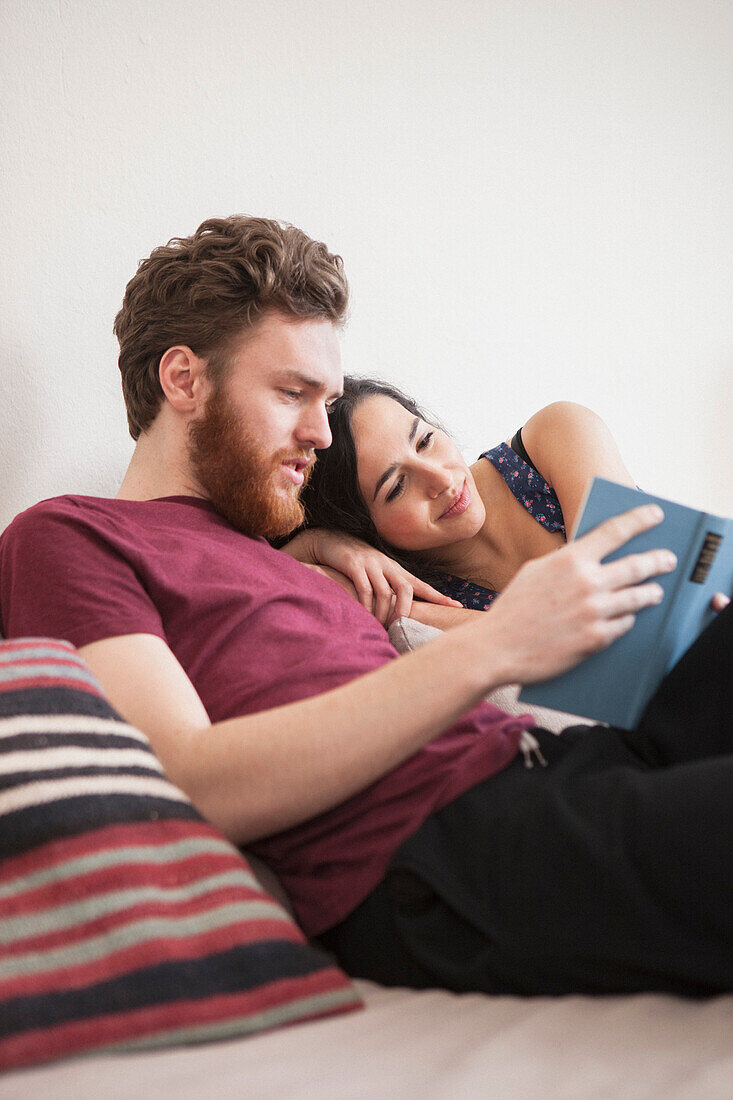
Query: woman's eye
pixel 426 440
pixel 395 490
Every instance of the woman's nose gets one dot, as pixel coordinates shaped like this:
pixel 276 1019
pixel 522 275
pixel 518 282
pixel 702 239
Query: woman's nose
pixel 437 479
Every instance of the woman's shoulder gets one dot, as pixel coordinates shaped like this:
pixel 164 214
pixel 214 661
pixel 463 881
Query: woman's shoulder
pixel 527 484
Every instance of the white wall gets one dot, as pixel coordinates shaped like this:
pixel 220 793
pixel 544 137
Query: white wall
pixel 533 200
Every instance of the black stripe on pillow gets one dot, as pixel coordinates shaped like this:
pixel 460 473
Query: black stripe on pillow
pixel 54 700
pixel 24 779
pixel 28 828
pixel 239 969
pixel 34 742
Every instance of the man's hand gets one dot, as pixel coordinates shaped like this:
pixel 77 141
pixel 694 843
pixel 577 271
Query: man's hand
pixel 564 606
pixel 381 585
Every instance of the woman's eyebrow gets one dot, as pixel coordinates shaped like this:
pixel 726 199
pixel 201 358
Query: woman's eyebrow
pixel 391 469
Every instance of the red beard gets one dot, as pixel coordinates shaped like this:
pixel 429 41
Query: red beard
pixel 237 476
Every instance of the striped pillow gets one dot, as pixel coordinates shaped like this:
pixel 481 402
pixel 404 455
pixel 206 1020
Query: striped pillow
pixel 126 921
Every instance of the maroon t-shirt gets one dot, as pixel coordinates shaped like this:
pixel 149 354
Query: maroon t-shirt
pixel 253 628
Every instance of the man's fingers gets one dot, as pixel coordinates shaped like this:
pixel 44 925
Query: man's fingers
pixel 616 628
pixel 635 568
pixel 613 533
pixel 634 599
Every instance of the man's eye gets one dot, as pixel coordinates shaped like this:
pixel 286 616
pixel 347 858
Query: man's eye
pixel 395 491
pixel 426 440
pixel 292 394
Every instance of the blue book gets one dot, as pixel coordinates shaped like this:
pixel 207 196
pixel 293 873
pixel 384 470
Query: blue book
pixel 615 685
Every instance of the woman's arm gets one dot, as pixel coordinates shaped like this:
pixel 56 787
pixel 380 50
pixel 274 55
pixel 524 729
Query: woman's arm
pixel 380 584
pixel 570 445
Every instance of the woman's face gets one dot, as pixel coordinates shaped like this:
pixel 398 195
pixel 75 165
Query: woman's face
pixel 419 491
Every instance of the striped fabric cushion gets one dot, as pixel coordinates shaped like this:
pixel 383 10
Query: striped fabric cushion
pixel 126 921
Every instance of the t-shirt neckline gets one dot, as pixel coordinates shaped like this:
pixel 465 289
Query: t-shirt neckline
pixel 197 502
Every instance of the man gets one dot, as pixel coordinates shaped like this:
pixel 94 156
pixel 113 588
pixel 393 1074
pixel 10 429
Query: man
pixel 382 791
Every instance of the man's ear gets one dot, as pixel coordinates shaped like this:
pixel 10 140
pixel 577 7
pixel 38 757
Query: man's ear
pixel 182 376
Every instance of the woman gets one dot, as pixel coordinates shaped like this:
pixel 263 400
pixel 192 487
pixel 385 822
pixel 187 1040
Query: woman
pixel 576 861
pixel 394 479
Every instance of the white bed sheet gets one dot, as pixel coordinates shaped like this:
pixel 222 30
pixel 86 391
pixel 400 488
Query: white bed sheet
pixel 433 1046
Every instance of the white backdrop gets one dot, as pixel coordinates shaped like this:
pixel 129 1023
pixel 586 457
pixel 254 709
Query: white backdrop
pixel 533 201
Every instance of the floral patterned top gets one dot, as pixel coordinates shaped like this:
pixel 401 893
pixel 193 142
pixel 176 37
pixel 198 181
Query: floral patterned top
pixel 534 494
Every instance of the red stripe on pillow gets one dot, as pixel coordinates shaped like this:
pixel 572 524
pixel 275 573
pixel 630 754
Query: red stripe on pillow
pixel 134 834
pixel 185 907
pixel 63 660
pixel 113 964
pixel 50 682
pixel 105 1030
pixel 39 643
pixel 121 876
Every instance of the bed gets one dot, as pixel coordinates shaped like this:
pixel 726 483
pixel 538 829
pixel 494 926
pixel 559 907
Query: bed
pixel 315 1034
pixel 433 1044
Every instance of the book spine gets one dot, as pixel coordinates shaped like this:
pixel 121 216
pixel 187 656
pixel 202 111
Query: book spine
pixel 657 660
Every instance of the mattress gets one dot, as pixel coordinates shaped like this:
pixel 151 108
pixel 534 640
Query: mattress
pixel 433 1044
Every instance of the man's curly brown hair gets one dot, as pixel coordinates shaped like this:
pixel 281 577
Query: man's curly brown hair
pixel 204 291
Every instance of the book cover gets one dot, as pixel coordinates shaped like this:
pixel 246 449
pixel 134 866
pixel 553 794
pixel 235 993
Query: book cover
pixel 615 685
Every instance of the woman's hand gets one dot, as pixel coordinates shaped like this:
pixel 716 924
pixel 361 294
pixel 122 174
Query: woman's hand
pixel 382 586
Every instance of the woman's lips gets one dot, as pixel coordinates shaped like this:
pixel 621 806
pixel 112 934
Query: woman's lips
pixel 460 504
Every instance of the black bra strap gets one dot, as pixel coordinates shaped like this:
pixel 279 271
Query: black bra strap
pixel 518 447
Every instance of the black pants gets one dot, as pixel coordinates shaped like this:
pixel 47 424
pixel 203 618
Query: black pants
pixel 609 870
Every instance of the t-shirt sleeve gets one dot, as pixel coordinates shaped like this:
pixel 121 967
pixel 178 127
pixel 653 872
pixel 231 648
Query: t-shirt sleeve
pixel 60 578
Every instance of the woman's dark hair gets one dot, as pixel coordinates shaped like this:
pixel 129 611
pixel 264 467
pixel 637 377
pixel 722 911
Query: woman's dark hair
pixel 332 498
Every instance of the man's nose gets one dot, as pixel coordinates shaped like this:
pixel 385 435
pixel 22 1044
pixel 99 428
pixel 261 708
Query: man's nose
pixel 313 429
